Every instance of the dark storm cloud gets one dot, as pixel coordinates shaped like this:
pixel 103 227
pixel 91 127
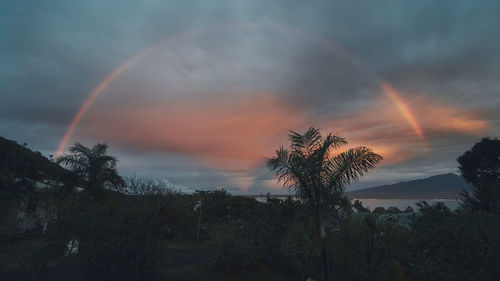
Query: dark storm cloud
pixel 52 54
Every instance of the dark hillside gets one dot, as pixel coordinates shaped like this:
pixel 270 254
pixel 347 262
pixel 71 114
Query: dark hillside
pixel 440 186
pixel 20 161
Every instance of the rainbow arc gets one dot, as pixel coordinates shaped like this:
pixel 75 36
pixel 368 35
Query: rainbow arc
pixel 387 89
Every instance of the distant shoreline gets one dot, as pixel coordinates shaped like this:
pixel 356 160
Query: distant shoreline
pixel 437 196
pixel 362 195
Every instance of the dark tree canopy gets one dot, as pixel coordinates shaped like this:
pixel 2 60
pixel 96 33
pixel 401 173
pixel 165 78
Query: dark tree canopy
pixel 94 165
pixel 480 166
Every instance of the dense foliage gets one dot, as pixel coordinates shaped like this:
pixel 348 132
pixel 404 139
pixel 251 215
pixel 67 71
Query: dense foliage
pixel 142 230
pixel 480 166
pixel 456 245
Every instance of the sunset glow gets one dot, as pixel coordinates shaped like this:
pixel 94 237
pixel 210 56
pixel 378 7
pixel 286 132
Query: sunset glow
pixel 275 28
pixel 226 133
pixel 403 108
pixel 233 131
pixel 202 94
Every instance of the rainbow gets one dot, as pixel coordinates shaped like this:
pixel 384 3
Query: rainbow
pixel 93 95
pixel 393 95
pixel 403 108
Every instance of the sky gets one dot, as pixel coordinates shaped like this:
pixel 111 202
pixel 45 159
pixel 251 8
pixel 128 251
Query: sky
pixel 199 93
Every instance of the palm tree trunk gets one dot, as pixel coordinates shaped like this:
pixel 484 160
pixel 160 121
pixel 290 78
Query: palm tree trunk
pixel 324 253
pixel 324 260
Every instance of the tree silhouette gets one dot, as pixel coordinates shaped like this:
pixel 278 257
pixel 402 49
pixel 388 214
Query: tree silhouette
pixel 480 166
pixel 317 175
pixel 93 164
pixel 358 206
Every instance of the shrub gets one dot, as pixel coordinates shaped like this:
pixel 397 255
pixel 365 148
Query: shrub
pixel 451 245
pixel 120 235
pixel 244 234
pixel 364 249
pixel 300 248
pixel 234 245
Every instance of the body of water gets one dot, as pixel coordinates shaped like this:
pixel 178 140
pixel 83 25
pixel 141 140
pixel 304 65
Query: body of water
pixel 399 203
pixel 403 203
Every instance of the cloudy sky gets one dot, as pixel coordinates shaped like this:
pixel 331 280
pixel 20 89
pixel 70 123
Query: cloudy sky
pixel 199 93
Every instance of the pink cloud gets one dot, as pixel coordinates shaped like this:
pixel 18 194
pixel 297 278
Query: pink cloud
pixel 237 133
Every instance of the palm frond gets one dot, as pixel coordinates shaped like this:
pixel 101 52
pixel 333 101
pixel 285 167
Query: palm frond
pixel 100 149
pixel 111 175
pixel 280 166
pixel 78 148
pixel 94 164
pixel 74 162
pixel 349 166
pixel 308 169
pixel 305 144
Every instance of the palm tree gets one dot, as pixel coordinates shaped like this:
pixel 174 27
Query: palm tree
pixel 317 175
pixel 94 165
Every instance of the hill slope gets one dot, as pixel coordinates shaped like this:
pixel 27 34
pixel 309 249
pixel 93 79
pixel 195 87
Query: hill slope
pixel 440 186
pixel 17 160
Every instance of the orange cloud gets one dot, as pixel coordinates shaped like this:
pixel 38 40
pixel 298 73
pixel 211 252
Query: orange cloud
pixel 228 132
pixel 438 118
pixel 237 133
pixel 383 128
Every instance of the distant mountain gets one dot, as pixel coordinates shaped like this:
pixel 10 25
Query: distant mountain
pixel 445 186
